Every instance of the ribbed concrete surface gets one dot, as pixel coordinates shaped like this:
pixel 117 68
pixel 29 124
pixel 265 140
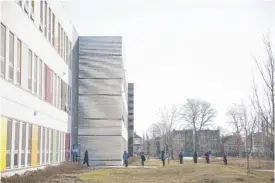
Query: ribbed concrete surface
pixel 101 106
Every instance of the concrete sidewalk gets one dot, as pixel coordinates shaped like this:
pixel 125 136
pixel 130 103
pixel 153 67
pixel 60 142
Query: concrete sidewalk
pixel 110 167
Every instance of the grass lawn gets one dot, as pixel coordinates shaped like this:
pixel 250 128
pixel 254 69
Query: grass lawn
pixel 188 172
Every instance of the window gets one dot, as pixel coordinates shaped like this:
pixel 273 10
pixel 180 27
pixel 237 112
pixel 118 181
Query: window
pixel 51 140
pixel 64 90
pixel 20 2
pixel 3 51
pixel 69 98
pixel 50 24
pixel 48 84
pixel 32 10
pixel 65 48
pixel 26 7
pixel 53 33
pixel 9 142
pixel 43 145
pixel 61 36
pixel 70 55
pixel 35 74
pixel 16 143
pixel 41 16
pixel 46 145
pixel 57 145
pixel 46 17
pixel 39 145
pixel 30 71
pixel 40 78
pixel 49 157
pixel 11 56
pixel 59 39
pixel 23 145
pixel 19 61
pixel 29 144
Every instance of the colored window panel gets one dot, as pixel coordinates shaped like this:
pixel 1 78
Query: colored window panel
pixel 3 140
pixel 34 145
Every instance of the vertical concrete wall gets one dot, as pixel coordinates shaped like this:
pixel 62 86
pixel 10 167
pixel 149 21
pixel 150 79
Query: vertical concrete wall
pixel 102 126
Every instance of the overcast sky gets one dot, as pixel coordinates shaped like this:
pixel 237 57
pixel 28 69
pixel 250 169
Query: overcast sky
pixel 178 49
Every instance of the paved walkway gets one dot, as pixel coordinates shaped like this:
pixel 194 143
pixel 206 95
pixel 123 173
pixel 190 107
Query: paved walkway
pixel 109 167
pixel 265 170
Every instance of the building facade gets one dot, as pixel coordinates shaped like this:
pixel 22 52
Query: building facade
pixel 208 140
pixel 37 103
pixel 102 104
pixel 130 118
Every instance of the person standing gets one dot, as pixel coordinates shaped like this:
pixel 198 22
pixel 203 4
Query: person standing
pixel 125 158
pixel 210 156
pixel 181 157
pixel 163 158
pixel 225 159
pixel 86 158
pixel 142 158
pixel 195 157
pixel 74 153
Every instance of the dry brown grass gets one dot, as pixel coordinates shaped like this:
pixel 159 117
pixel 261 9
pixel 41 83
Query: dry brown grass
pixel 188 172
pixel 43 174
pixel 174 173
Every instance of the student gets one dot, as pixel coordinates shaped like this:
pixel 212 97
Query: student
pixel 225 159
pixel 195 157
pixel 181 157
pixel 163 158
pixel 142 158
pixel 86 158
pixel 125 158
pixel 75 153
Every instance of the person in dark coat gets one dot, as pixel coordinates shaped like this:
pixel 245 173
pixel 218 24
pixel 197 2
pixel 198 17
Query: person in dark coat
pixel 142 157
pixel 86 158
pixel 207 157
pixel 181 156
pixel 225 159
pixel 163 158
pixel 195 157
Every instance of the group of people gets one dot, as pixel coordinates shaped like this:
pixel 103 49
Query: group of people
pixel 208 157
pixel 75 155
pixel 126 158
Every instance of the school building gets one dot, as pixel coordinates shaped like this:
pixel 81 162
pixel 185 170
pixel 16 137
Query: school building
pixel 37 93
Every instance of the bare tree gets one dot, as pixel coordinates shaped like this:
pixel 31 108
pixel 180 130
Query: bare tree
pixel 248 122
pixel 265 105
pixel 153 133
pixel 198 115
pixel 169 119
pixel 235 117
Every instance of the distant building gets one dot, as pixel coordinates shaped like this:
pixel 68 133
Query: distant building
pixel 130 118
pixel 232 145
pixel 209 140
pixel 258 143
pixel 137 146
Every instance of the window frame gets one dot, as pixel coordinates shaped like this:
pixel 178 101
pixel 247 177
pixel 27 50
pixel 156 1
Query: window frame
pixel 3 56
pixel 30 65
pixel 11 56
pixel 19 62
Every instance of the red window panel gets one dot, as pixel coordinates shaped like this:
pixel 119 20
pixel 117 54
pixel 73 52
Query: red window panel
pixel 48 83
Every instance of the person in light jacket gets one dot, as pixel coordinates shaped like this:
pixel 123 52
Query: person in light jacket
pixel 125 158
